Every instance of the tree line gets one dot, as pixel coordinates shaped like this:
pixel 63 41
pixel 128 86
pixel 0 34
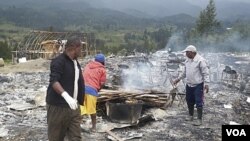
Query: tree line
pixel 116 32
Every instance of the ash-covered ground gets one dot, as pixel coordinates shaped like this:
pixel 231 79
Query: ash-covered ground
pixel 23 114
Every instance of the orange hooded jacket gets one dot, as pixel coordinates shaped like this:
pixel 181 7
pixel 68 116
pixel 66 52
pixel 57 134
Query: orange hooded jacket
pixel 94 75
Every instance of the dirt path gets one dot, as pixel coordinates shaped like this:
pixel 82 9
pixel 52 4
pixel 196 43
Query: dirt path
pixel 38 65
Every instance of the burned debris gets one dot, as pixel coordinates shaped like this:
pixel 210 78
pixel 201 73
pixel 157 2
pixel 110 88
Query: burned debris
pixel 139 100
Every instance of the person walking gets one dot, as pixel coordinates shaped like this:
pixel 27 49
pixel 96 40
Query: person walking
pixel 64 94
pixel 196 73
pixel 94 75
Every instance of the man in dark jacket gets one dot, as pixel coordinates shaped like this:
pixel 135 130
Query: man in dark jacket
pixel 65 93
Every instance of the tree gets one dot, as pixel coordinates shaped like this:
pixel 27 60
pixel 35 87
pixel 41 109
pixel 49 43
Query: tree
pixel 207 23
pixel 161 36
pixel 5 51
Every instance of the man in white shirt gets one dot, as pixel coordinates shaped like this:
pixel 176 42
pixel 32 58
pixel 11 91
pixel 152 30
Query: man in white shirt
pixel 196 73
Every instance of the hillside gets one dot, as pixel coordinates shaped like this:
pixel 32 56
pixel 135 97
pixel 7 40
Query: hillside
pixel 112 14
pixel 181 20
pixel 79 14
pixel 59 18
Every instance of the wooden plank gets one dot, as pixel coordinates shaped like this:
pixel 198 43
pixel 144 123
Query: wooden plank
pixel 114 135
pixel 21 106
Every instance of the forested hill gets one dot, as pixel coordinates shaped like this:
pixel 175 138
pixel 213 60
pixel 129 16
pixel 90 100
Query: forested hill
pixel 110 14
pixel 59 18
pixel 59 15
pixel 79 14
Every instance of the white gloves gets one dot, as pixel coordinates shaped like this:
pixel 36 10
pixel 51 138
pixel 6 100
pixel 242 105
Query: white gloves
pixel 72 102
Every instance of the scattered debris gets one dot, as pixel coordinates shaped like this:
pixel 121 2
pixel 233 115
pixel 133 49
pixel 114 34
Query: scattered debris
pixel 228 106
pixel 241 108
pixel 233 123
pixel 21 106
pixel 23 111
pixel 114 135
pixel 158 114
pixel 127 136
pixel 3 132
pixel 248 99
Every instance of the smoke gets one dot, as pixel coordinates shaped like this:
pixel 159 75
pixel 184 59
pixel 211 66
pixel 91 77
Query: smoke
pixel 136 76
pixel 149 74
pixel 175 42
pixel 230 43
pixel 236 43
pixel 224 50
pixel 152 73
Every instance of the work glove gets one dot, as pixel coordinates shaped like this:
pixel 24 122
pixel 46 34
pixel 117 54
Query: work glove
pixel 72 102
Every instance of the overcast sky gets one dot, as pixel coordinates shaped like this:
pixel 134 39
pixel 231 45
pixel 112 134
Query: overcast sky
pixel 205 2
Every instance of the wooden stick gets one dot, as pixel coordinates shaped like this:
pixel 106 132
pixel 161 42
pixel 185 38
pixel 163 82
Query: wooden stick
pixel 114 135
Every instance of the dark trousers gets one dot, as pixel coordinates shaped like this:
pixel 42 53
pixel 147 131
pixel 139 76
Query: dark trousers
pixel 63 122
pixel 195 95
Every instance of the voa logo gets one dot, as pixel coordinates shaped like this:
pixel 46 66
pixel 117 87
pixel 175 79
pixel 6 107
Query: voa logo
pixel 236 132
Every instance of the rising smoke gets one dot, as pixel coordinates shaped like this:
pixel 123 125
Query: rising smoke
pixel 151 74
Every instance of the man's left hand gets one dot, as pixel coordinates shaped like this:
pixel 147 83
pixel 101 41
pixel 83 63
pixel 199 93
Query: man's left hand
pixel 206 88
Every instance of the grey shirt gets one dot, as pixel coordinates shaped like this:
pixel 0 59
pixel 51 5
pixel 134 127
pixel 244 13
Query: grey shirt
pixel 196 71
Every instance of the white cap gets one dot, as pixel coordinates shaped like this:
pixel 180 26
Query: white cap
pixel 190 48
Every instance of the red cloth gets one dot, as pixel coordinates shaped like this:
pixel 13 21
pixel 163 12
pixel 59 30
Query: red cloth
pixel 94 74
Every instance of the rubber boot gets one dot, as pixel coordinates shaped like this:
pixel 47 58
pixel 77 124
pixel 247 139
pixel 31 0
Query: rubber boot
pixel 191 113
pixel 199 121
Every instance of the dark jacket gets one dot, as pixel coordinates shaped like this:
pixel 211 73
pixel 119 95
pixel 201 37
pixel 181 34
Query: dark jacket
pixel 62 71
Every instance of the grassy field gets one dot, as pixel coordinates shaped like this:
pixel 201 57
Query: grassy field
pixel 12 32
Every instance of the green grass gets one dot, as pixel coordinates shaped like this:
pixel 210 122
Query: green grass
pixel 10 31
pixel 7 61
